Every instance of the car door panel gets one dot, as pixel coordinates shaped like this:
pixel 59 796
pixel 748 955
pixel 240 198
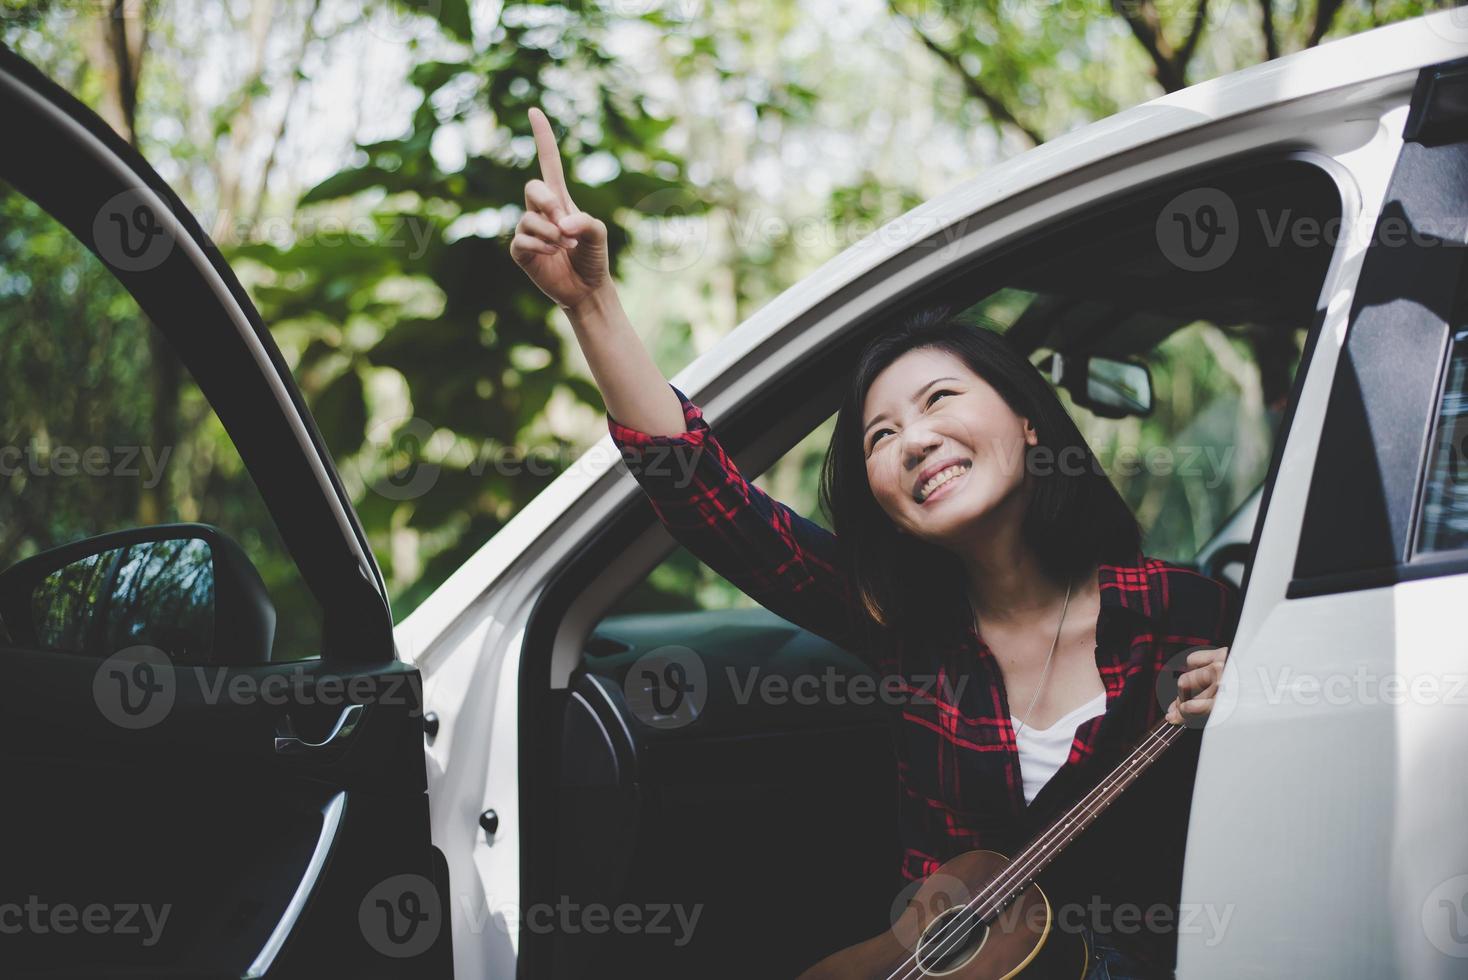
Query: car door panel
pixel 271 817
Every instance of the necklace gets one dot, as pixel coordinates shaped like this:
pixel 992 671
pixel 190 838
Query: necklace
pixel 1045 675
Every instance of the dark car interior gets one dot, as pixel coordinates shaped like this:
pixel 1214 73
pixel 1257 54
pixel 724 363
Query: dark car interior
pixel 775 818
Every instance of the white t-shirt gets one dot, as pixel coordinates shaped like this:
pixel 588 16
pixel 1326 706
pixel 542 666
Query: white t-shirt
pixel 1042 751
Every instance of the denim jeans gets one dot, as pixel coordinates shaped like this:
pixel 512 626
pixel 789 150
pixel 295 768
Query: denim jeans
pixel 1110 963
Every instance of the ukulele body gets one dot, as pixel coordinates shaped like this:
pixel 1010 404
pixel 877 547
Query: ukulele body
pixel 936 937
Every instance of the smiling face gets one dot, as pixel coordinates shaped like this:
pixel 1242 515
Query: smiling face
pixel 944 452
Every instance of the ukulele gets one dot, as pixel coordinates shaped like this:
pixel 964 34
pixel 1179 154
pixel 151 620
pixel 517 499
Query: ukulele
pixel 982 916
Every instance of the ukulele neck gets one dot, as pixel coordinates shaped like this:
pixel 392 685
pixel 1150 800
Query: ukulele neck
pixel 1060 832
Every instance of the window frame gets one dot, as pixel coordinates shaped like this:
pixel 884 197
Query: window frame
pixel 1381 414
pixel 956 286
pixel 799 396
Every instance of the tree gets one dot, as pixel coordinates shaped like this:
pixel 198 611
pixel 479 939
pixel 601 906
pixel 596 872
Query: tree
pixel 1014 59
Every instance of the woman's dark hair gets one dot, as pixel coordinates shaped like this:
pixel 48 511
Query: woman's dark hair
pixel 1076 518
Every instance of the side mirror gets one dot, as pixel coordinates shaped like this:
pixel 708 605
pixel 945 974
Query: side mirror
pixel 186 589
pixel 1107 387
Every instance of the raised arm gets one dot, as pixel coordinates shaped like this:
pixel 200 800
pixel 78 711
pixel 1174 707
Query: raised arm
pixel 786 562
pixel 564 251
pixel 780 559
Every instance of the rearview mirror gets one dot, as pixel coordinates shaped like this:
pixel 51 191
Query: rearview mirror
pixel 186 589
pixel 1107 387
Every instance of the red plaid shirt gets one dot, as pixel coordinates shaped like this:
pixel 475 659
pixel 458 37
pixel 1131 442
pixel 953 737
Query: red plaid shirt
pixel 957 762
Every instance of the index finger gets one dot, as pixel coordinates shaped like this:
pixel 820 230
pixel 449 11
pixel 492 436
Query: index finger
pixel 549 156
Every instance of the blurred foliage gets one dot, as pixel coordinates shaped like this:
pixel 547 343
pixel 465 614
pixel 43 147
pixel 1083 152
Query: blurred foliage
pixel 438 302
pixel 76 407
pixel 1211 430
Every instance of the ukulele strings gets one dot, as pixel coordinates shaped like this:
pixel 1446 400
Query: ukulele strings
pixel 1020 869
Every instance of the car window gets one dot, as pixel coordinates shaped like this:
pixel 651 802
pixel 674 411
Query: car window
pixel 102 429
pixel 1219 391
pixel 1443 517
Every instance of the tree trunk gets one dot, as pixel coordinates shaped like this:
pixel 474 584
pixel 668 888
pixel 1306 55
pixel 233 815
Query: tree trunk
pixel 121 46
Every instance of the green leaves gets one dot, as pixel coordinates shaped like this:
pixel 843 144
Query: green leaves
pixel 340 410
pixel 407 311
pixel 430 76
pixel 452 15
pixel 349 182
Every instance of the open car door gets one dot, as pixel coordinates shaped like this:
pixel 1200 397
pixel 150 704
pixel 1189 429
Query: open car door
pixel 184 794
pixel 1337 730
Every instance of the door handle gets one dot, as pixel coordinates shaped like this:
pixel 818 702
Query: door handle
pixel 286 742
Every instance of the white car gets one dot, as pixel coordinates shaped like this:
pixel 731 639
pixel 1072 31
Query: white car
pixel 1304 221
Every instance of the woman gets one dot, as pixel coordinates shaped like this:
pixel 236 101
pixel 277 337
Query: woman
pixel 968 546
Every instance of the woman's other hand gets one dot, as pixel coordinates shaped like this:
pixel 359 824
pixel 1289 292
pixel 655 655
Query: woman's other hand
pixel 561 248
pixel 1197 687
